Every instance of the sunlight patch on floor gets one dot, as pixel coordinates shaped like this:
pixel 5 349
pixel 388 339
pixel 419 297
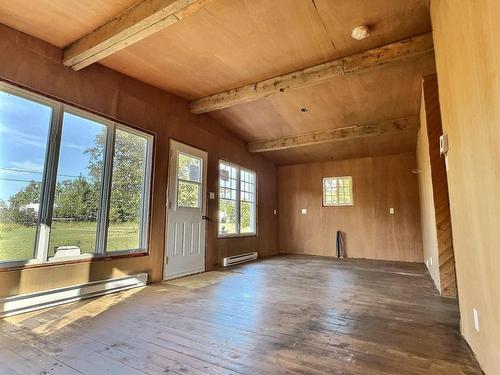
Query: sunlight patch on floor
pixel 47 321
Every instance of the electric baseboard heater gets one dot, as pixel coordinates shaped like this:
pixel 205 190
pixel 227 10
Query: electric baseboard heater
pixel 34 301
pixel 236 259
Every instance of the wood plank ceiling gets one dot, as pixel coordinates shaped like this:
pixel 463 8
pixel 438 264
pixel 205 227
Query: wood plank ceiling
pixel 227 44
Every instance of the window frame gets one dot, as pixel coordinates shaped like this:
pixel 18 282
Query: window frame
pixel 146 192
pixel 238 201
pixel 337 178
pixel 48 184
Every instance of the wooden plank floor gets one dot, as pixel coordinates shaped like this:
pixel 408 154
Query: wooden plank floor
pixel 283 315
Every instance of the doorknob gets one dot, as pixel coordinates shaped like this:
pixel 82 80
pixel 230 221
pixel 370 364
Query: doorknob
pixel 204 217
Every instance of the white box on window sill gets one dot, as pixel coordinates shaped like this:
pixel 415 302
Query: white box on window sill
pixel 67 251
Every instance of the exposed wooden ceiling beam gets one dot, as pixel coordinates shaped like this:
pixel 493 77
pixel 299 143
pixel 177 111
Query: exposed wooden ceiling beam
pixel 390 53
pixel 350 132
pixel 134 24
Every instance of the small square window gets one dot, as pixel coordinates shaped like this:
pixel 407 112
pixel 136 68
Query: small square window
pixel 337 191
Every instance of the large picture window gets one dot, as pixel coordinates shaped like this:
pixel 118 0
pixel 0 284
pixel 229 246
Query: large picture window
pixel 237 200
pixel 72 184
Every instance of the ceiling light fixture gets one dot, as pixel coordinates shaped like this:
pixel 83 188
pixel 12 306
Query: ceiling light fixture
pixel 360 32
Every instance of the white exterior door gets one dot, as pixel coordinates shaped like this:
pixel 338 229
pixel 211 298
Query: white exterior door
pixel 186 210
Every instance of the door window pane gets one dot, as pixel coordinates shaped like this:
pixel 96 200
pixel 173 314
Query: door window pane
pixel 188 194
pixel 189 168
pixel 128 192
pixel 78 186
pixel 189 181
pixel 24 130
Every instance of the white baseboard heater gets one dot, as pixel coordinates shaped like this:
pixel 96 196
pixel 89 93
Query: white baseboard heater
pixel 33 301
pixel 230 261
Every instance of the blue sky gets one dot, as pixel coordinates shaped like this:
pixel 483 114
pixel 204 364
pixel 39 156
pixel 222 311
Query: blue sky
pixel 24 127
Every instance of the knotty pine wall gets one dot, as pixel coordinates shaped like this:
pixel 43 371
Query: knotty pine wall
pixel 371 232
pixel 36 65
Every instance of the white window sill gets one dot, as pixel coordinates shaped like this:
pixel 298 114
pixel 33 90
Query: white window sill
pixel 339 205
pixel 20 263
pixel 236 235
pixel 69 258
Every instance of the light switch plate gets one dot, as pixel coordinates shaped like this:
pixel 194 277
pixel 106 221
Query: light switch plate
pixel 212 195
pixel 275 212
pixel 391 210
pixel 304 211
pixel 443 144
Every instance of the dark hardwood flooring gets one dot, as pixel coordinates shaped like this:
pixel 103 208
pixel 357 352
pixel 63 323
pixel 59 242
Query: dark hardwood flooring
pixel 282 315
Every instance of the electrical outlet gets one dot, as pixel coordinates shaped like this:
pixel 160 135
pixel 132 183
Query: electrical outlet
pixel 275 212
pixel 391 210
pixel 304 211
pixel 475 313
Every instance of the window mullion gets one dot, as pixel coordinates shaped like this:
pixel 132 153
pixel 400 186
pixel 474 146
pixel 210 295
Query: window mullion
pixel 102 217
pixel 49 184
pixel 238 201
pixel 337 190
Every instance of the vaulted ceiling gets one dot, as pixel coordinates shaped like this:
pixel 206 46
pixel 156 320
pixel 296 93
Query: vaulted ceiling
pixel 225 44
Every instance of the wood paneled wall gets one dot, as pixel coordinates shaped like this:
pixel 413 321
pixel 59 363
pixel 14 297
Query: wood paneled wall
pixel 379 183
pixel 34 64
pixel 468 68
pixel 439 189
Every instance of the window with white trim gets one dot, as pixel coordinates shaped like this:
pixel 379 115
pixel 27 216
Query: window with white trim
pixel 72 184
pixel 337 191
pixel 237 200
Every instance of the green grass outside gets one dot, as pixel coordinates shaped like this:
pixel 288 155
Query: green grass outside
pixel 230 228
pixel 17 242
